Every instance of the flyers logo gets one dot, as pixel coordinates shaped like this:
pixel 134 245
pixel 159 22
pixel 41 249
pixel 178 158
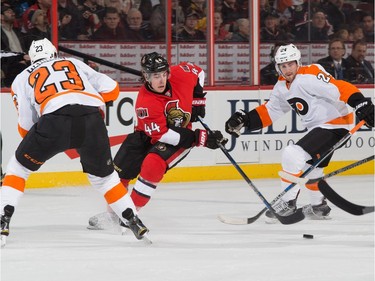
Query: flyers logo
pixel 142 112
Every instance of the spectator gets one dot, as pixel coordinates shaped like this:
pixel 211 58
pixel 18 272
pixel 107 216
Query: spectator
pixel 144 6
pixel 232 11
pixel 120 7
pixel 271 32
pixel 189 33
pixel 368 27
pixel 40 29
pixel 137 30
pixel 334 63
pixel 316 31
pixel 11 38
pixel 243 33
pixel 264 9
pixel 356 33
pixel 221 34
pixel 335 14
pixel 268 74
pixel 71 22
pixel 342 34
pixel 13 56
pixel 110 30
pixel 44 5
pixel 92 14
pixel 360 70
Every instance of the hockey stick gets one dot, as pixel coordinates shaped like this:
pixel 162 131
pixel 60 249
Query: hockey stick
pixel 230 220
pixel 341 202
pixel 299 180
pixel 293 218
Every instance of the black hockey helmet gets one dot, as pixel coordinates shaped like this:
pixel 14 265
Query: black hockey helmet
pixel 154 62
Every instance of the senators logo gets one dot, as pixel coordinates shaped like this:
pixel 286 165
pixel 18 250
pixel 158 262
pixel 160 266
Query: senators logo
pixel 175 115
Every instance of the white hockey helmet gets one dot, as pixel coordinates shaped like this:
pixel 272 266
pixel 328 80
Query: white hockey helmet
pixel 287 53
pixel 42 49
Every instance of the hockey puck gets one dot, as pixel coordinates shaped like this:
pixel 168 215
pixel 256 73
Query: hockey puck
pixel 308 236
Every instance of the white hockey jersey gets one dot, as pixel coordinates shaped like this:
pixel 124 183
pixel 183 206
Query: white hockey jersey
pixel 318 98
pixel 48 85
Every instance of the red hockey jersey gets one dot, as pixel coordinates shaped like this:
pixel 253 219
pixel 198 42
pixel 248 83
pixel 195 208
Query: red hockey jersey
pixel 157 112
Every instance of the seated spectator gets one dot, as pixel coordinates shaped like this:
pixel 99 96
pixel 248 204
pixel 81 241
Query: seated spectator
pixel 13 57
pixel 335 13
pixel 12 40
pixel 334 63
pixel 368 27
pixel 316 31
pixel 144 6
pixel 268 74
pixel 110 30
pixel 137 30
pixel 220 33
pixel 92 14
pixel 243 33
pixel 71 22
pixel 271 32
pixel 44 5
pixel 120 7
pixel 231 11
pixel 264 9
pixel 342 34
pixel 189 33
pixel 40 29
pixel 360 70
pixel 356 33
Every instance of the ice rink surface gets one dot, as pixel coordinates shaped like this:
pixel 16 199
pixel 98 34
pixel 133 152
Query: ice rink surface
pixel 49 240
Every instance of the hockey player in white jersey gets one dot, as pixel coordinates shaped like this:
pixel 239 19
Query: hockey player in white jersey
pixel 59 102
pixel 321 102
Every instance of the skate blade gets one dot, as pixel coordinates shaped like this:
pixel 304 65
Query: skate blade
pixel 146 239
pixel 318 218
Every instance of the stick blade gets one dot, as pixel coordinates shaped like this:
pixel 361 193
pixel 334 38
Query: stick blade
pixel 341 202
pixel 232 220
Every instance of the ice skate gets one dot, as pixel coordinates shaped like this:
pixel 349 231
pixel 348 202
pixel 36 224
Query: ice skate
pixel 281 208
pixel 102 221
pixel 317 212
pixel 5 220
pixel 134 224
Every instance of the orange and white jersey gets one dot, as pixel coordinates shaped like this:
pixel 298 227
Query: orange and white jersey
pixel 319 99
pixel 48 85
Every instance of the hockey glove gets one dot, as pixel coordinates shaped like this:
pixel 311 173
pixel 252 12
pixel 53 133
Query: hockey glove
pixel 365 111
pixel 198 109
pixel 208 139
pixel 236 122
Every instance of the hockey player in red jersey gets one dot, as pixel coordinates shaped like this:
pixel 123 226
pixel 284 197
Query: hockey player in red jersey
pixel 320 101
pixel 167 104
pixel 58 102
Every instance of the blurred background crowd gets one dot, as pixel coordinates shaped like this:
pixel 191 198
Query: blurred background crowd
pixel 314 21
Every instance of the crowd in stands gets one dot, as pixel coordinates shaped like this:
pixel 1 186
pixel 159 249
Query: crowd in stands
pixel 23 21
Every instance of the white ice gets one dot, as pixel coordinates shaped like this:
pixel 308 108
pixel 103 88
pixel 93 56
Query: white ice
pixel 49 241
